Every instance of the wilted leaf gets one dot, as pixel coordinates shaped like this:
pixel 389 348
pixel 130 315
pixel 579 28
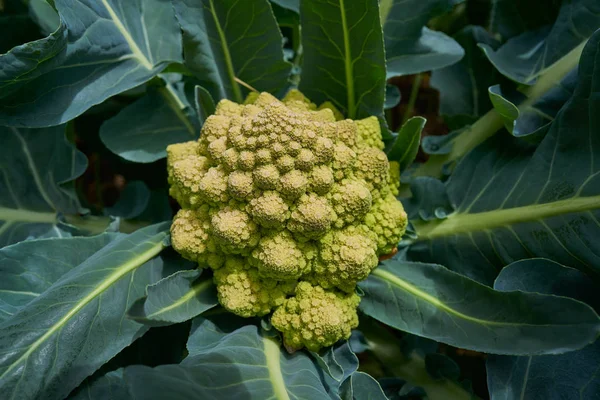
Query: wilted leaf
pixel 432 301
pixel 34 164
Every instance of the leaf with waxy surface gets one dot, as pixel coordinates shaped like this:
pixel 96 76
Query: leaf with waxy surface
pixel 25 272
pixel 177 298
pixel 142 131
pixel 112 46
pixel 34 164
pixel 343 59
pixel 432 301
pixel 514 201
pixel 50 345
pixel 226 41
pixel 362 386
pixel 239 363
pixel 410 47
pixel 535 378
pixel 525 57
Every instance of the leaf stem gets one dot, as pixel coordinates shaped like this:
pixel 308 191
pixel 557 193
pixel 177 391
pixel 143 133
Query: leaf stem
pixel 244 84
pixel 177 106
pixel 490 123
pixel 348 64
pixel 414 92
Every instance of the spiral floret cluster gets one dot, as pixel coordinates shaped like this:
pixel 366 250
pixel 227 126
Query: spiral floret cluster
pixel 291 206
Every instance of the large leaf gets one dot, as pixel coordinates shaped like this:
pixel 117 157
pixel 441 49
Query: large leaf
pixel 50 345
pixel 26 62
pixel 245 364
pixel 177 298
pixel 226 41
pixel 523 58
pixel 536 377
pixel 25 273
pixel 362 386
pixel 514 202
pixel 432 301
pixel 512 17
pixel 142 131
pixel 112 46
pixel 343 59
pixel 410 47
pixel 34 163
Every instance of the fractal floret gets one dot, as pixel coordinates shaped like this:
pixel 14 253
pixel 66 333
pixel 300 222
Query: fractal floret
pixel 291 206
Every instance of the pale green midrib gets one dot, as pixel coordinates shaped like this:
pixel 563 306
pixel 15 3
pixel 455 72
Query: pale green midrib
pixel 177 106
pixel 123 270
pixel 389 277
pixel 127 36
pixel 183 299
pixel 348 64
pixel 272 354
pixel 18 215
pixel 237 91
pixel 463 223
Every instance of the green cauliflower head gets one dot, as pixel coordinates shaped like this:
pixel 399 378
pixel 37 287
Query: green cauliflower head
pixel 286 202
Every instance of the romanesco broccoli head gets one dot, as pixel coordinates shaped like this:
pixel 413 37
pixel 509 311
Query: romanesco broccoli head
pixel 291 205
pixel 315 317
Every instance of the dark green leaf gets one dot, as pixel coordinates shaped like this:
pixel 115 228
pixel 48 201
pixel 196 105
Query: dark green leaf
pixel 343 59
pixel 429 200
pixel 412 48
pixel 177 298
pixel 432 301
pixel 362 386
pixel 205 105
pixel 112 47
pixel 525 57
pixel 440 366
pixel 25 273
pixel 142 131
pixel 406 146
pixel 293 5
pixel 25 62
pixel 243 364
pixel 229 40
pixel 564 376
pixel 133 201
pixel 531 117
pixel 34 164
pixel 463 86
pixel 50 345
pixel 392 96
pixel 512 17
pixel 339 362
pixel 110 386
pixel 514 202
pixel 44 15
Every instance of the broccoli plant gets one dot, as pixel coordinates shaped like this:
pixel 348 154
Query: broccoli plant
pixel 299 199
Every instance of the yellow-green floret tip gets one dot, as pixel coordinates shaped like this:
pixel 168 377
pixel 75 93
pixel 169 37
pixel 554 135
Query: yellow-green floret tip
pixel 291 205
